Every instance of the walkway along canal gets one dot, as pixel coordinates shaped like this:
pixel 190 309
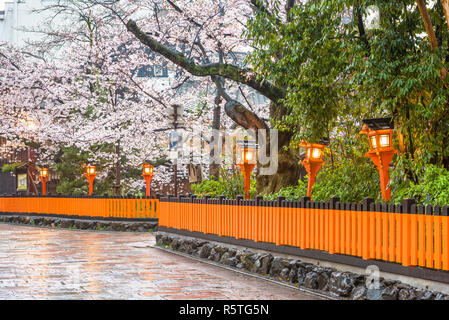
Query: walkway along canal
pixel 44 263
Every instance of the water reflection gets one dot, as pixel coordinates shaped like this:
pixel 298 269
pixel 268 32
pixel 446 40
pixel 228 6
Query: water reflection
pixel 39 263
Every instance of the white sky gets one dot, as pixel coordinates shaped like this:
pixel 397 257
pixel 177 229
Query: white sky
pixel 2 4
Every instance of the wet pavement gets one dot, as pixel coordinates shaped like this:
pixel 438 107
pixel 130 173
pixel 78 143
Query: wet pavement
pixel 44 263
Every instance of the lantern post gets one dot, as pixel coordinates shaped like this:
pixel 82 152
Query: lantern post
pixel 90 175
pixel 247 161
pixel 43 176
pixel 312 162
pixel 147 174
pixel 380 137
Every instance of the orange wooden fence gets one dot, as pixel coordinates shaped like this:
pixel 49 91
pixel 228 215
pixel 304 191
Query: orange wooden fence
pixel 85 207
pixel 407 234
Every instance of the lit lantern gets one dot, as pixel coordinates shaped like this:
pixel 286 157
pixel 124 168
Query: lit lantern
pixel 43 173
pixel 90 175
pixel 43 176
pixel 313 161
pixel 380 136
pixel 247 161
pixel 147 174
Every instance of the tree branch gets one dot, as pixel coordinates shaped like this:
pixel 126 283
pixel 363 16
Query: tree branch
pixel 245 76
pixel 289 6
pixel 244 117
pixel 427 24
pixel 361 26
pixel 430 32
pixel 235 110
pixel 445 4
pixel 10 61
pixel 261 8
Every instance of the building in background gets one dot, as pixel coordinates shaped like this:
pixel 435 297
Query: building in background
pixel 17 16
pixel 18 172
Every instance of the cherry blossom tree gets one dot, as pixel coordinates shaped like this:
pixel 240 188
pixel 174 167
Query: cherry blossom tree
pixel 94 98
pixel 80 83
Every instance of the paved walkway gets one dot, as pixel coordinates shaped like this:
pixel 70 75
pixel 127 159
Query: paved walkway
pixel 40 263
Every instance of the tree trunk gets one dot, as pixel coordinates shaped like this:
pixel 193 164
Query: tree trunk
pixel 288 173
pixel 214 168
pixel 445 4
pixel 289 170
pixel 427 24
pixel 118 190
pixel 429 30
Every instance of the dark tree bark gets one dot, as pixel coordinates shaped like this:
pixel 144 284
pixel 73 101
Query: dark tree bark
pixel 244 117
pixel 289 170
pixel 118 175
pixel 361 26
pixel 214 168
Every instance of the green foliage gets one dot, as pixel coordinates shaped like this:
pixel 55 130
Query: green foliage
pixel 335 74
pixel 70 166
pixel 233 184
pixel 431 188
pixel 210 187
pixel 11 167
pixel 351 182
pixel 229 185
pixel 291 193
pixel 347 173
pixel 71 172
pixel 309 60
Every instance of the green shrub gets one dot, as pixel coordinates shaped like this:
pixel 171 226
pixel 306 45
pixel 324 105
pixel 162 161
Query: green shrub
pixel 432 187
pixel 351 181
pixel 210 187
pixel 11 167
pixel 290 193
pixel 229 185
pixel 354 182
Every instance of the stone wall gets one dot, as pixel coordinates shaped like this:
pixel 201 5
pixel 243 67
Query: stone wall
pixel 329 281
pixel 99 225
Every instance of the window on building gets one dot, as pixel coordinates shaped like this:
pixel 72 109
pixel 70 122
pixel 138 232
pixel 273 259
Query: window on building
pixel 160 71
pixel 145 72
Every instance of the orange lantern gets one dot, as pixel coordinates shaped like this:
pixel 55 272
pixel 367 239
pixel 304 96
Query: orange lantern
pixel 312 162
pixel 147 174
pixel 90 175
pixel 247 161
pixel 43 176
pixel 380 137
